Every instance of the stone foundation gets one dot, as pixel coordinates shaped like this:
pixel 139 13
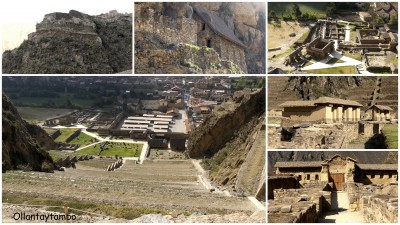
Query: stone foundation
pixel 303 205
pixel 378 203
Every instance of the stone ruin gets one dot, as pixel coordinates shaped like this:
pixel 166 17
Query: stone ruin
pixel 378 203
pixel 303 205
pixel 71 160
pixel 115 165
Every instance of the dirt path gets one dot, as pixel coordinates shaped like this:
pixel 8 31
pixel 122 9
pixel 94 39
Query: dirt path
pixel 340 212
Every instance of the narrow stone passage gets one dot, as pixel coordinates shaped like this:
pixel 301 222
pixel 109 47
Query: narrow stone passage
pixel 340 212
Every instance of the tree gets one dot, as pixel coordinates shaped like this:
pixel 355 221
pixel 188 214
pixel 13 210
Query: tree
pixel 296 11
pixel 393 20
pixel 330 8
pixel 272 14
pixel 379 20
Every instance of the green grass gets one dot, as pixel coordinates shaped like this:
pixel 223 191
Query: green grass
pixel 59 101
pixel 335 60
pixel 109 210
pixel 304 37
pixel 356 56
pixel 56 154
pixel 334 70
pixel 313 8
pixel 83 139
pixel 35 114
pixel 391 133
pixel 65 133
pixel 283 54
pixel 114 148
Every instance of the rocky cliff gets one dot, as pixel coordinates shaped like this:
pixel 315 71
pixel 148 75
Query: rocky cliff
pixel 370 157
pixel 232 140
pixel 24 145
pixel 75 43
pixel 169 24
pixel 247 20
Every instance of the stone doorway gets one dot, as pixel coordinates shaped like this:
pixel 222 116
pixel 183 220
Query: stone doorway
pixel 208 43
pixel 338 180
pixel 340 212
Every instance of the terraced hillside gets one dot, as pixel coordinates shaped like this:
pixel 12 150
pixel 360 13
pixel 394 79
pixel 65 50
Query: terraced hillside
pixel 277 93
pixel 133 190
pixel 389 92
pixel 365 90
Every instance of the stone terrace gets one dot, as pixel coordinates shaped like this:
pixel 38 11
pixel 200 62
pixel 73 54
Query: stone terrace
pixel 158 185
pixel 276 93
pixel 389 92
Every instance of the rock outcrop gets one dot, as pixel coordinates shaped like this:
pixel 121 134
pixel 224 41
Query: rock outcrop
pixel 182 59
pixel 75 43
pixel 164 24
pixel 232 140
pixel 247 20
pixel 24 145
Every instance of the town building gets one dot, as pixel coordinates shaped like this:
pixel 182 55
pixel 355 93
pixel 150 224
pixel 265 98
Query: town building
pixel 321 110
pixel 339 171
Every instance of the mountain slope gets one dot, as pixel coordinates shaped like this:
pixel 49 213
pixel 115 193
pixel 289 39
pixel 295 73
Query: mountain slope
pixel 232 141
pixel 21 145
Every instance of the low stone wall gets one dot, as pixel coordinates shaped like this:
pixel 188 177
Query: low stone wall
pixel 303 205
pixel 73 135
pixel 378 203
pixel 281 182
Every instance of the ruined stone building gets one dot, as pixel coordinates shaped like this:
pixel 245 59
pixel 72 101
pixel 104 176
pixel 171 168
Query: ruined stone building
pixel 382 38
pixel 323 109
pixel 213 32
pixel 198 26
pixel 320 48
pixel 380 113
pixel 338 171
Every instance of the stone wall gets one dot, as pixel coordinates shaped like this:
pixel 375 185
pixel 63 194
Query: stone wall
pixel 168 30
pixel 73 135
pixel 281 182
pixel 303 205
pixel 378 203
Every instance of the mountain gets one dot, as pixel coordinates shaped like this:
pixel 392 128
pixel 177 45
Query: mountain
pixel 232 142
pixel 74 43
pixel 23 144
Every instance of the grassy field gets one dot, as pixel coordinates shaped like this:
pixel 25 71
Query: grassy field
pixel 83 139
pixel 334 70
pixel 312 8
pixel 356 56
pixel 113 148
pixel 278 33
pixel 391 133
pixel 58 101
pixel 111 210
pixel 56 154
pixel 35 114
pixel 335 60
pixel 65 133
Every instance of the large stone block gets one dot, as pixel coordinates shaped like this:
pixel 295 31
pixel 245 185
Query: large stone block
pixel 286 209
